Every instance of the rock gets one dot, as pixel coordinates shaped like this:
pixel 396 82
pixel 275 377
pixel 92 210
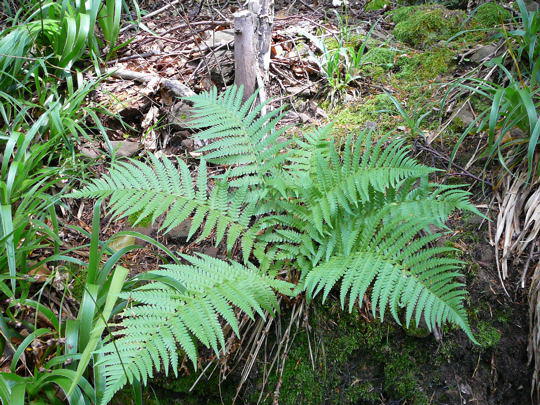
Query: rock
pixel 465 115
pixel 188 144
pixel 218 38
pixel 180 232
pixel 304 118
pixel 485 255
pixel 371 125
pixel 211 251
pixel 484 52
pixel 125 148
pixel 89 152
pixel 180 115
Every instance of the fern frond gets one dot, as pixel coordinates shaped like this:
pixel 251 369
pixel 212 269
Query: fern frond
pixel 166 318
pixel 430 202
pixel 162 189
pixel 237 134
pixel 340 182
pixel 402 271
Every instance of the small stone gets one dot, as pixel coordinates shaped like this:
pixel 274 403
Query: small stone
pixel 89 152
pixel 465 115
pixel 188 144
pixel 218 38
pixel 211 251
pixel 180 232
pixel 371 125
pixel 484 52
pixel 125 148
pixel 304 118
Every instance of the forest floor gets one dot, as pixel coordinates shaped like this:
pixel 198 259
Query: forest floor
pixel 339 358
pixel 336 358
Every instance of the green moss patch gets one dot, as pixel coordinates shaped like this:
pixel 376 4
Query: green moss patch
pixel 378 61
pixel 422 26
pixel 489 15
pixel 348 360
pixel 376 5
pixel 376 112
pixel 487 335
pixel 426 65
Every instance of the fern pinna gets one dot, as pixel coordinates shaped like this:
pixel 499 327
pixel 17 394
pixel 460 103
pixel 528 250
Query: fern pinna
pixel 356 214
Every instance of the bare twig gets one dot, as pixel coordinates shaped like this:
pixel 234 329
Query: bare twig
pixel 152 14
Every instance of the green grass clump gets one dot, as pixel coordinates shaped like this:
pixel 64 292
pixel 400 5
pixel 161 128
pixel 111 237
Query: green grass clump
pixel 489 15
pixel 422 26
pixel 376 5
pixel 426 65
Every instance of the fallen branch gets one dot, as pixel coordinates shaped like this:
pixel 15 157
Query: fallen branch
pixel 153 13
pixel 174 86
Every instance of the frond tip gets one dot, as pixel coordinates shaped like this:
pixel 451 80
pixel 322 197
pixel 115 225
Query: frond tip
pixel 165 316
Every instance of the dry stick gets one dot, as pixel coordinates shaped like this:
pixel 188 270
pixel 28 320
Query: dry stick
pixel 153 13
pixel 147 55
pixel 174 86
pixel 464 172
pixel 192 24
pixel 210 48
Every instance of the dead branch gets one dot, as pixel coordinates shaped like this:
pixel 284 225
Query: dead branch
pixel 174 86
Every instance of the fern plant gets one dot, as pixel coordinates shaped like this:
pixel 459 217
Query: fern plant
pixel 356 214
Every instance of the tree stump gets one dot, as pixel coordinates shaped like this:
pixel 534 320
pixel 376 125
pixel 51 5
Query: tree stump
pixel 245 52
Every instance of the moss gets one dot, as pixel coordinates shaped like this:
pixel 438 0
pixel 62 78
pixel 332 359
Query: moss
pixel 400 380
pixel 425 66
pixel 487 335
pixel 446 352
pixel 377 110
pixel 421 26
pixel 376 5
pixel 378 61
pixel 417 332
pixel 207 391
pixel 355 362
pixel 489 15
pixel 347 40
pixel 133 218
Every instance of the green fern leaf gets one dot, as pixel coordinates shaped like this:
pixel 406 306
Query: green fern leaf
pixel 165 318
pixel 161 189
